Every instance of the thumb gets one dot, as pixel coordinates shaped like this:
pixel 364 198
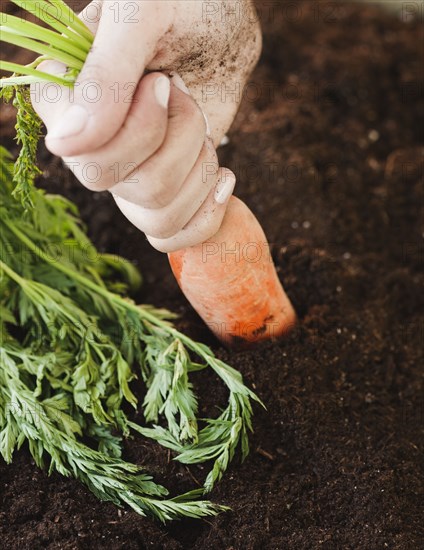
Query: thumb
pixel 104 90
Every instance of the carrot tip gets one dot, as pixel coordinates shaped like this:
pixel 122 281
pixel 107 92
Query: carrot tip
pixel 239 296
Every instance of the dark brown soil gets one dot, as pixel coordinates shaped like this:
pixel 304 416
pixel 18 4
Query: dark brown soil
pixel 328 147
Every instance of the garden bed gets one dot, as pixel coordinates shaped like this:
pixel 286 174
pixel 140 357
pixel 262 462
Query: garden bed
pixel 328 148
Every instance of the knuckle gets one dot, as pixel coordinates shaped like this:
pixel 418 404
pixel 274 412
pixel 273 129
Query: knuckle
pixel 162 227
pixel 89 173
pixel 160 246
pixel 93 186
pixel 164 245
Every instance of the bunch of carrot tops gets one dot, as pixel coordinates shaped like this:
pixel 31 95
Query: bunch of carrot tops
pixel 71 341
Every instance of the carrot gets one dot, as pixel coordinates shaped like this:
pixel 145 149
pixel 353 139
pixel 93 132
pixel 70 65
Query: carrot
pixel 231 281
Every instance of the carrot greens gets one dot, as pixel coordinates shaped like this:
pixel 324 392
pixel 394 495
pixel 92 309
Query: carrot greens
pixel 72 342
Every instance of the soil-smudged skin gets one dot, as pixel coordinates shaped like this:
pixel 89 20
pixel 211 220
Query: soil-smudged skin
pixel 328 149
pixel 215 64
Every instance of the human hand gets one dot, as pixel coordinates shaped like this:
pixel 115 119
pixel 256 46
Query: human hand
pixel 145 138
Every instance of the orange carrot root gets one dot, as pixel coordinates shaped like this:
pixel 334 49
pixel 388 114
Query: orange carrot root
pixel 231 281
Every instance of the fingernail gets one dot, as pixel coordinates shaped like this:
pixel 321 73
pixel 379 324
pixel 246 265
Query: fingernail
pixel 70 124
pixel 162 89
pixel 225 188
pixel 208 128
pixel 179 83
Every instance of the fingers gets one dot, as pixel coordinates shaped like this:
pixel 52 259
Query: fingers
pixel 141 135
pixel 202 226
pixel 169 220
pixel 50 100
pixel 91 14
pixel 157 181
pixel 207 220
pixel 169 183
pixel 106 85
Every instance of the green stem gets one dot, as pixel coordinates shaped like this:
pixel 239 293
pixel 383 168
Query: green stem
pixel 73 274
pixel 40 48
pixel 114 298
pixel 66 21
pixel 31 30
pixel 221 370
pixel 72 19
pixel 33 75
pixel 12 274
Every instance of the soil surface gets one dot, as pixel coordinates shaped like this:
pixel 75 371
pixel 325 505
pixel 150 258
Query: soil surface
pixel 328 149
